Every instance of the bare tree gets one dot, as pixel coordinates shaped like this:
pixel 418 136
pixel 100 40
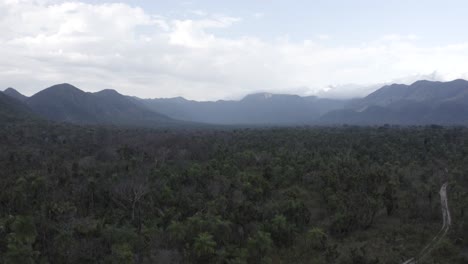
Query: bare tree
pixel 129 193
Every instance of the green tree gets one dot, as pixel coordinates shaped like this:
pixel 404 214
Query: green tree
pixel 204 247
pixel 259 247
pixel 20 241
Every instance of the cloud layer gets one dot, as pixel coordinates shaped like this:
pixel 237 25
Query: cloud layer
pixel 98 46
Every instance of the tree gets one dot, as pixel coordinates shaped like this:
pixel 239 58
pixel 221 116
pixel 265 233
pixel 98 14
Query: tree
pixel 20 241
pixel 317 239
pixel 204 247
pixel 281 231
pixel 259 246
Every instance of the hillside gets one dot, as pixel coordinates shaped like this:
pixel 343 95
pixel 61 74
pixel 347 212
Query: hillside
pixel 12 109
pixel 67 103
pixel 423 102
pixel 15 94
pixel 254 109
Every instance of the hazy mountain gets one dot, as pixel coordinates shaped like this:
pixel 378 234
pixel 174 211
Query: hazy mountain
pixel 15 94
pixel 423 102
pixel 65 102
pixel 13 109
pixel 254 109
pixel 419 92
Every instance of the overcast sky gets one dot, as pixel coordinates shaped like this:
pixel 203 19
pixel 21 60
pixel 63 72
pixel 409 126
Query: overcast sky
pixel 213 49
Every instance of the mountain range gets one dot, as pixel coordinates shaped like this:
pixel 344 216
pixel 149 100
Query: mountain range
pixel 66 103
pixel 254 109
pixel 423 102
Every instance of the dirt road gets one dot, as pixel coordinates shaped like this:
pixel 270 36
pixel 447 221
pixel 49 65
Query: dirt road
pixel 446 222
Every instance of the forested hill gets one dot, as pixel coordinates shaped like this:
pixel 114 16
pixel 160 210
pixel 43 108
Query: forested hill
pixel 12 109
pixel 84 194
pixel 15 94
pixel 67 103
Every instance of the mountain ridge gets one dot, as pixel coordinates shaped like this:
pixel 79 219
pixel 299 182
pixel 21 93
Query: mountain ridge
pixel 15 94
pixel 422 102
pixel 65 102
pixel 12 109
pixel 253 109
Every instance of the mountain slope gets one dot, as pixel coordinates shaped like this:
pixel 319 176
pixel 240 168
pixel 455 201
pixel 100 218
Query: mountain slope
pixel 12 109
pixel 423 102
pixel 420 92
pixel 15 94
pixel 67 103
pixel 254 109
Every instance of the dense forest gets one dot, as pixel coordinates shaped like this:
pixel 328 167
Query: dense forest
pixel 95 194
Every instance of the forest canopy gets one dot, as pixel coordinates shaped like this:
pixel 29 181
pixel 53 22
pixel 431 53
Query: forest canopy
pixel 93 194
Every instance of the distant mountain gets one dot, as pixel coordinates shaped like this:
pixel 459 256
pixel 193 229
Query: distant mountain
pixel 67 103
pixel 12 109
pixel 15 94
pixel 254 109
pixel 418 92
pixel 423 102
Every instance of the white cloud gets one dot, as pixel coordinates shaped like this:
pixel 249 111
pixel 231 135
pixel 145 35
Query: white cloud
pixel 193 34
pixel 258 15
pixel 397 37
pixel 323 37
pixel 199 12
pixel 97 46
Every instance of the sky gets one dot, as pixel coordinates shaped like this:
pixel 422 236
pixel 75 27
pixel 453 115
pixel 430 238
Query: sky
pixel 212 49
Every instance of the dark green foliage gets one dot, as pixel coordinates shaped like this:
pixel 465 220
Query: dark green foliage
pixel 324 195
pixel 20 240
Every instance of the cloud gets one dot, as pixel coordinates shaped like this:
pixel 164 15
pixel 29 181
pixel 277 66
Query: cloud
pixel 198 12
pixel 397 37
pixel 192 33
pixel 115 45
pixel 258 15
pixel 323 37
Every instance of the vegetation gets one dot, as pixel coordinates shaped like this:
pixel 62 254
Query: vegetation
pixel 75 194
